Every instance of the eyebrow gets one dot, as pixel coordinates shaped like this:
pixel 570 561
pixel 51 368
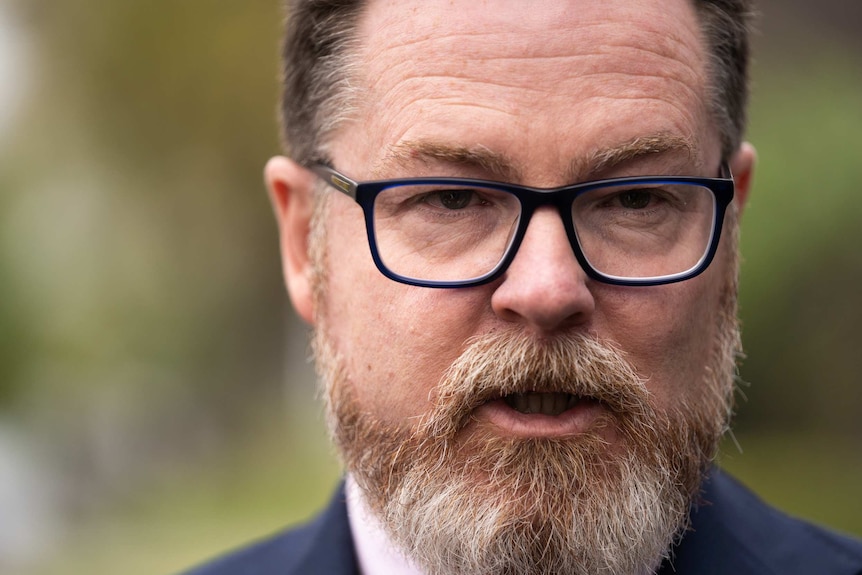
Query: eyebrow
pixel 604 160
pixel 481 158
pixel 477 157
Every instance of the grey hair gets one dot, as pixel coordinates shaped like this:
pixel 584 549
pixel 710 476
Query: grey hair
pixel 726 26
pixel 318 91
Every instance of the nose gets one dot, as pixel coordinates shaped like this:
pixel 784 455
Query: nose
pixel 544 287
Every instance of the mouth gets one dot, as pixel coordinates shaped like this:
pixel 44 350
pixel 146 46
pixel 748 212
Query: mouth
pixel 540 414
pixel 541 403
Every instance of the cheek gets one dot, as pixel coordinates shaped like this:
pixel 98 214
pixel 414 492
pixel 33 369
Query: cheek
pixel 668 333
pixel 396 340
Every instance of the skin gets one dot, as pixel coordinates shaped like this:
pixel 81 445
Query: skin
pixel 560 93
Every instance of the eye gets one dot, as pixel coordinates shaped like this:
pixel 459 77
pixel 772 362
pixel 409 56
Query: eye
pixel 455 199
pixel 635 199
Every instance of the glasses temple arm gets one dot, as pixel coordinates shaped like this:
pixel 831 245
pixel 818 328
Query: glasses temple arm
pixel 336 180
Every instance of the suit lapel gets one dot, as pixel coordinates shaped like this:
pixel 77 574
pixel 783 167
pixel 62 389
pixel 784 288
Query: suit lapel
pixel 329 547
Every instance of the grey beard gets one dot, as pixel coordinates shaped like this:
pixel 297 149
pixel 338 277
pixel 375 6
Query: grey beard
pixel 483 504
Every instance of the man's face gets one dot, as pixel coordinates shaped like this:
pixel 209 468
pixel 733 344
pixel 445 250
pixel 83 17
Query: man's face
pixel 550 89
pixel 543 95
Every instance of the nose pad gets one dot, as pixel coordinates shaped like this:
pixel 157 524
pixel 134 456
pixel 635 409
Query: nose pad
pixel 544 287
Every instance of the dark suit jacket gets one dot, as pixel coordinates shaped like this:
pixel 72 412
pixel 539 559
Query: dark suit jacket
pixel 733 533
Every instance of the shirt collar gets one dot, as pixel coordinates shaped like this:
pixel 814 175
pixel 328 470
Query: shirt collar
pixel 376 553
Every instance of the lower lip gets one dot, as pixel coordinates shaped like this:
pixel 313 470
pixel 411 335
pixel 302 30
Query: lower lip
pixel 579 419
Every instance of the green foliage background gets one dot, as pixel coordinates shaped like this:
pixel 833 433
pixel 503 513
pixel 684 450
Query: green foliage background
pixel 149 356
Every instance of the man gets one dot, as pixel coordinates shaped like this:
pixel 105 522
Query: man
pixel 513 227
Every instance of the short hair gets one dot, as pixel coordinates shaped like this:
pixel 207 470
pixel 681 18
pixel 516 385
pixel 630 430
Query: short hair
pixel 320 44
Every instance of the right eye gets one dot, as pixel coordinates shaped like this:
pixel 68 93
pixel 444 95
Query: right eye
pixel 636 199
pixel 452 199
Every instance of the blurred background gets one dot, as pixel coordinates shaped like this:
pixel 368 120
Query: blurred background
pixel 156 404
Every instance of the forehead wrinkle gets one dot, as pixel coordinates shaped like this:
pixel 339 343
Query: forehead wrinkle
pixel 479 157
pixel 595 39
pixel 428 54
pixel 644 64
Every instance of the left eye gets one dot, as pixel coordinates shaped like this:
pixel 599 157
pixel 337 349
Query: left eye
pixel 635 199
pixel 453 199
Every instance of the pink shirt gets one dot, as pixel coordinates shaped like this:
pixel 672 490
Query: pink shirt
pixel 375 552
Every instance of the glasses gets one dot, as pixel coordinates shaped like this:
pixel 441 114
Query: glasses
pixel 457 232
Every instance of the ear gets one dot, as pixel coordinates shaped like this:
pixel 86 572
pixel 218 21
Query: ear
pixel 742 166
pixel 290 189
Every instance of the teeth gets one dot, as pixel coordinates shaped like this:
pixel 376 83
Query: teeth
pixel 518 402
pixel 543 403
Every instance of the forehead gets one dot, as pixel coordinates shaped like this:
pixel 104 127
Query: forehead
pixel 540 84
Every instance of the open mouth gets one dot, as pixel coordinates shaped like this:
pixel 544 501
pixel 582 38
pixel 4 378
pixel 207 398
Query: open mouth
pixel 543 403
pixel 540 413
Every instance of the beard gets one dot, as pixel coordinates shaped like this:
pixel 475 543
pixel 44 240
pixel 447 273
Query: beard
pixel 457 498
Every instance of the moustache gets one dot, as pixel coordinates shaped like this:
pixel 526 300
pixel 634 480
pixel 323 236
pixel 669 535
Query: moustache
pixel 502 365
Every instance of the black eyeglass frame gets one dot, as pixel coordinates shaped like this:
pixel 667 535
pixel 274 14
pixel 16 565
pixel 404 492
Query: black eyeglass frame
pixel 365 194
